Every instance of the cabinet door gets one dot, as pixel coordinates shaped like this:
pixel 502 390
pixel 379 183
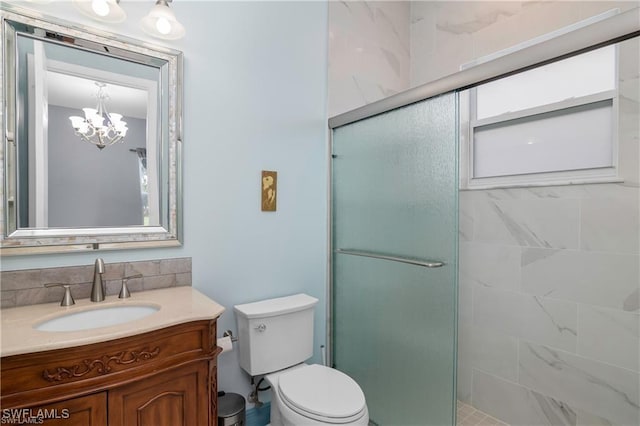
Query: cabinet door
pixel 90 410
pixel 177 397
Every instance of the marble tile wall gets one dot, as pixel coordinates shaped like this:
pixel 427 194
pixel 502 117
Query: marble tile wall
pixel 368 52
pixel 549 307
pixel 26 287
pixel 379 48
pixel 446 34
pixel 550 326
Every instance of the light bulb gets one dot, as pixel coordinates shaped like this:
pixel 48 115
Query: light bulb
pixel 101 10
pixel 163 25
pixel 161 22
pixel 100 7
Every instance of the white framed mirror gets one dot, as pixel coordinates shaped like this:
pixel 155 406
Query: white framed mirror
pixel 91 145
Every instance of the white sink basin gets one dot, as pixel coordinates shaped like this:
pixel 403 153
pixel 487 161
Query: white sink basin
pixel 96 318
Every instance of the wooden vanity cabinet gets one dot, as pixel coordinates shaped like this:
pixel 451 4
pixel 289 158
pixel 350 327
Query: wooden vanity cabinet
pixel 164 377
pixel 178 397
pixel 90 410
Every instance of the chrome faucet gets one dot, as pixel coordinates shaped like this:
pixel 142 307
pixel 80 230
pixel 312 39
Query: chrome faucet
pixel 124 291
pixel 97 290
pixel 67 299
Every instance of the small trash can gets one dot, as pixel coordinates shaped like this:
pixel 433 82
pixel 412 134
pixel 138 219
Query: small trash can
pixel 231 409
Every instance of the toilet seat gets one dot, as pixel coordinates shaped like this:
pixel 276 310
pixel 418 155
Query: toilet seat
pixel 323 394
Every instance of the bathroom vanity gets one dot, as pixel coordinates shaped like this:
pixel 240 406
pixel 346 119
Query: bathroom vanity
pixel 157 370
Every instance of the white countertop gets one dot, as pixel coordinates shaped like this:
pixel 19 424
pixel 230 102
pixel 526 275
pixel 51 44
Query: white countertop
pixel 177 305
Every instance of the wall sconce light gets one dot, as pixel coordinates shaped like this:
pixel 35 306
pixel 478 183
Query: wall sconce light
pixel 101 10
pixel 161 22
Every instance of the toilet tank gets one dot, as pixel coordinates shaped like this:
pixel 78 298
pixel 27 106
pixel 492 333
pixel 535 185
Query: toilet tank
pixel 276 333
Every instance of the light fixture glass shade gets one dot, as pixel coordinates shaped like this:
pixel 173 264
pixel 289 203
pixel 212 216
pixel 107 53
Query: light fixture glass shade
pixel 79 124
pixel 161 22
pixel 101 10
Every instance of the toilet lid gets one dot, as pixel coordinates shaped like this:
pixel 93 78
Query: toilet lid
pixel 321 391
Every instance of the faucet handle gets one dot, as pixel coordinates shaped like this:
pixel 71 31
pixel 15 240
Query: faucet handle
pixel 67 299
pixel 124 291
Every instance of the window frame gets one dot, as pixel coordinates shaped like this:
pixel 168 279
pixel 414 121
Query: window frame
pixel 469 123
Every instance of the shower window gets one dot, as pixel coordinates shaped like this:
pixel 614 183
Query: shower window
pixel 555 124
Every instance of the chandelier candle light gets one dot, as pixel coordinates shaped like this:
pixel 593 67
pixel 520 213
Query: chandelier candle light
pixel 98 126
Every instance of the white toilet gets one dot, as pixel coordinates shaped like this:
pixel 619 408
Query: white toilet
pixel 275 337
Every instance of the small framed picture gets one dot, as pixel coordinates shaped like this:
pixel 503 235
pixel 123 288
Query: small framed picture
pixel 269 190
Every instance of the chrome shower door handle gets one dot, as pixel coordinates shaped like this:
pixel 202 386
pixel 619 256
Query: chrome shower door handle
pixel 409 260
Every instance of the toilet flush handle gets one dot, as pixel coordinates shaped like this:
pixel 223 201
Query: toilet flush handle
pixel 261 327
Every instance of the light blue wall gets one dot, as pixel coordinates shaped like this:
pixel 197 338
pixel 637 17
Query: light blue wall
pixel 255 98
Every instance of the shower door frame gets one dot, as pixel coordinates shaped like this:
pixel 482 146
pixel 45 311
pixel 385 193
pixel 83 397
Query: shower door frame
pixel 612 30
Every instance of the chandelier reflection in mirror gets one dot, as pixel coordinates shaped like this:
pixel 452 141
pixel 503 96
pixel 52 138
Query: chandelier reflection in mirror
pixel 98 126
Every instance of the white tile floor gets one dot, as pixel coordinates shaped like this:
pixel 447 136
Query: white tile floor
pixel 469 416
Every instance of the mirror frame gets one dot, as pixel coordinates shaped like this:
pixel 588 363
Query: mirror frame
pixel 21 241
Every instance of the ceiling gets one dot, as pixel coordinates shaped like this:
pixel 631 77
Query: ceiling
pixel 76 92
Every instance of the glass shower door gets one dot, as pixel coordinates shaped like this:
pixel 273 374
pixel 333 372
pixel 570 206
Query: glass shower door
pixel 394 213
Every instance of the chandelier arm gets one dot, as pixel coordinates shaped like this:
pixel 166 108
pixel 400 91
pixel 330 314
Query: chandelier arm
pixel 83 137
pixel 91 141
